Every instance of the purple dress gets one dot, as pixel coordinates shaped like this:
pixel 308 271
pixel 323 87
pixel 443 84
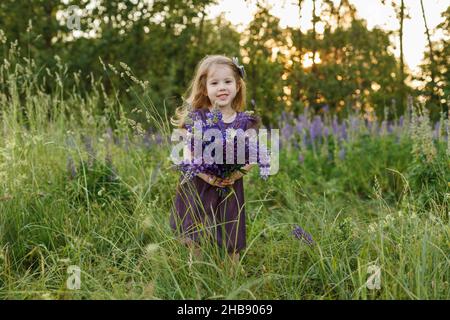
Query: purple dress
pixel 199 209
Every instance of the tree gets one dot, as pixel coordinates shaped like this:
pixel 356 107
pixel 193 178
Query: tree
pixel 264 68
pixel 436 72
pixel 402 14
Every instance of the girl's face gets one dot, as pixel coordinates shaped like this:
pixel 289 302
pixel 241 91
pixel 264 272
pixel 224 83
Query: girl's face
pixel 221 85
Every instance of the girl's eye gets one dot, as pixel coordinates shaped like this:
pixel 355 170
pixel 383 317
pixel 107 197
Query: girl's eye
pixel 228 81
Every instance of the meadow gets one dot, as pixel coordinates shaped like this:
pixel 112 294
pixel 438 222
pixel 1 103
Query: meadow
pixel 85 183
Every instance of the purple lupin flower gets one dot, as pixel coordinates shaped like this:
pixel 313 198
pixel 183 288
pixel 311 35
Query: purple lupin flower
pixel 305 140
pixel 158 139
pixel 299 126
pixel 146 140
pixel 354 124
pixel 400 121
pixel 71 168
pixel 287 131
pixel 390 127
pixel 301 234
pixel 437 128
pixel 315 130
pixel 343 131
pixel 301 158
pixel 335 126
pixel 90 149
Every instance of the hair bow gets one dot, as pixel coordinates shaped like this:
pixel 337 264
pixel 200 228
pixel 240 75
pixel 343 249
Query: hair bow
pixel 240 67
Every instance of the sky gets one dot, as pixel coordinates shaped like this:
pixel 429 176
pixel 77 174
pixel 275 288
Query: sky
pixel 240 13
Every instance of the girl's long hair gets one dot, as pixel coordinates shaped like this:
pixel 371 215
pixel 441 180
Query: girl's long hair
pixel 197 92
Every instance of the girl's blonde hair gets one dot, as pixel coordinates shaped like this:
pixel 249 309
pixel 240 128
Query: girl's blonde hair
pixel 197 92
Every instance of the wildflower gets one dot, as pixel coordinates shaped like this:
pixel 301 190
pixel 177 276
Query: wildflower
pixel 301 234
pixel 388 220
pixel 287 131
pixel 315 130
pixel 151 248
pixel 2 37
pixel 335 125
pixel 401 121
pixel 326 132
pixel 71 168
pixel 89 148
pixel 343 131
pixel 372 227
pixel 422 136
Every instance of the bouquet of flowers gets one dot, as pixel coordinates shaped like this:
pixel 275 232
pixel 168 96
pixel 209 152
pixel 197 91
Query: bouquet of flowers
pixel 197 164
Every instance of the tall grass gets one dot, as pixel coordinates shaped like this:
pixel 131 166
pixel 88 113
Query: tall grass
pixel 81 184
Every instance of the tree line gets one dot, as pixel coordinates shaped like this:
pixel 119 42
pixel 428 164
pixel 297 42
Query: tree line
pixel 338 65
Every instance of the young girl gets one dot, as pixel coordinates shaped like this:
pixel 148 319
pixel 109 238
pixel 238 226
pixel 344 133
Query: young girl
pixel 199 207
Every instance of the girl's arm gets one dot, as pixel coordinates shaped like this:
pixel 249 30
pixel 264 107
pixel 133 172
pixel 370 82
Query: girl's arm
pixel 212 180
pixel 236 175
pixel 247 167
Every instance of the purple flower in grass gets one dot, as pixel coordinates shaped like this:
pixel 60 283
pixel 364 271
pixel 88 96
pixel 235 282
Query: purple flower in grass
pixel 354 124
pixel 158 139
pixel 301 158
pixel 401 121
pixel 71 168
pixel 87 140
pixel 299 126
pixel 224 170
pixel 390 127
pixel 305 140
pixel 146 140
pixel 315 130
pixel 326 109
pixel 112 176
pixel 335 125
pixel 287 131
pixel 437 128
pixel 301 234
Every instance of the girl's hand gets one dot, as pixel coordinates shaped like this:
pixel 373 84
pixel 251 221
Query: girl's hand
pixel 212 180
pixel 236 175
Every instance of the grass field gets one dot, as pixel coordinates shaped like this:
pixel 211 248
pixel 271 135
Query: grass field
pixel 81 185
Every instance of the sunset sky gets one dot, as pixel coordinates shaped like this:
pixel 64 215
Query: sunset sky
pixel 240 13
